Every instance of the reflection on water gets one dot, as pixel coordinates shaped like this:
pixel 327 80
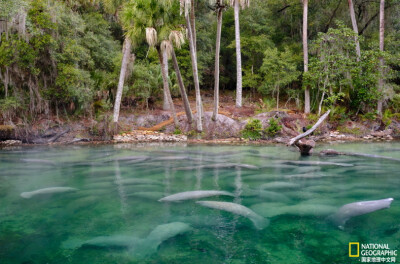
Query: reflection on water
pixel 114 216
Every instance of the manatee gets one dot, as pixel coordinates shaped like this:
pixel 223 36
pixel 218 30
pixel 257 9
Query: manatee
pixel 139 247
pixel 190 195
pixel 49 190
pixel 138 181
pixel 279 185
pixel 146 195
pixel 350 210
pixel 39 161
pixel 161 233
pixel 315 163
pixel 129 158
pixel 258 221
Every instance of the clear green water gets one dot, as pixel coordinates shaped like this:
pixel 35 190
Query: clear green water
pixel 43 228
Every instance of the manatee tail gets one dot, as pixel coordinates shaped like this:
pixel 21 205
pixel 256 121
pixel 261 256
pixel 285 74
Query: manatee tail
pixel 26 195
pixel 259 222
pixel 337 220
pixel 72 243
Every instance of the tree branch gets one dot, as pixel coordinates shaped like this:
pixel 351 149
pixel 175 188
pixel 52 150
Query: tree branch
pixel 308 132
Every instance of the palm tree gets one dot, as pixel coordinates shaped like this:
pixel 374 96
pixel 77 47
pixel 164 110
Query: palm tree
pixel 381 46
pixel 305 54
pixel 219 7
pixel 236 4
pixel 126 51
pixel 150 19
pixel 112 7
pixel 187 7
pixel 355 28
pixel 176 38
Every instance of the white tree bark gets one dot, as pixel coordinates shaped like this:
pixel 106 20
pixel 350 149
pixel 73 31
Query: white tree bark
pixel 308 132
pixel 355 28
pixel 381 48
pixel 238 56
pixel 164 70
pixel 216 71
pixel 307 107
pixel 193 57
pixel 126 50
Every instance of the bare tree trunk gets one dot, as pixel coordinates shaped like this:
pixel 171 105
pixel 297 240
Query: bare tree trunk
pixel 164 72
pixel 193 57
pixel 126 50
pixel 277 98
pixel 355 28
pixel 164 69
pixel 216 71
pixel 238 57
pixel 307 108
pixel 6 81
pixel 381 47
pixel 193 24
pixel 185 99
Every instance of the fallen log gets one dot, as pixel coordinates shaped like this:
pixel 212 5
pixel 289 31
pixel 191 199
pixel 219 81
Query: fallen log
pixel 308 132
pixel 306 146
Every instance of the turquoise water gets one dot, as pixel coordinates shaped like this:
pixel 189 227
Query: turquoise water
pixel 113 215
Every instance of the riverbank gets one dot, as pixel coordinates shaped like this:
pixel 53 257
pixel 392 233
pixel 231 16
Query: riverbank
pixel 225 130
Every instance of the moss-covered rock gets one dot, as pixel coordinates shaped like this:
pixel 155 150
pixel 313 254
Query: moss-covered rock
pixel 7 132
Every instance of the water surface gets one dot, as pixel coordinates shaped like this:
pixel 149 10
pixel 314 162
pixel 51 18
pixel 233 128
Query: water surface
pixel 296 198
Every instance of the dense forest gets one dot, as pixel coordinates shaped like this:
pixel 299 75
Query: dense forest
pixel 81 57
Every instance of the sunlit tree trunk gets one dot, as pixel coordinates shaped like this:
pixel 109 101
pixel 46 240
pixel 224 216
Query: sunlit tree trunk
pixel 164 71
pixel 381 47
pixel 126 50
pixel 193 57
pixel 355 28
pixel 305 55
pixel 162 54
pixel 193 25
pixel 216 71
pixel 185 99
pixel 238 56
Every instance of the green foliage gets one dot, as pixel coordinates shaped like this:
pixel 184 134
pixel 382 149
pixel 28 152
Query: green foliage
pixel 177 131
pixel 278 70
pixel 253 129
pixel 347 130
pixel 273 128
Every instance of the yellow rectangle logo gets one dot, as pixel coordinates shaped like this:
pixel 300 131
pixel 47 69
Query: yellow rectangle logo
pixel 358 250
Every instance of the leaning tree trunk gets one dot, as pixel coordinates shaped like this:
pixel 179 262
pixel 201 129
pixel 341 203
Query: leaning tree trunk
pixel 238 57
pixel 126 50
pixel 193 57
pixel 164 69
pixel 355 28
pixel 216 71
pixel 185 99
pixel 307 107
pixel 193 24
pixel 162 55
pixel 381 46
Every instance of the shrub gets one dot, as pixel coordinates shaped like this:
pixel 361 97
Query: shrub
pixel 253 129
pixel 177 131
pixel 274 127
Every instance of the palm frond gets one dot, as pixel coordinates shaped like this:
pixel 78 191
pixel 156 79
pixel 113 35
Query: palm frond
pixel 177 38
pixel 151 36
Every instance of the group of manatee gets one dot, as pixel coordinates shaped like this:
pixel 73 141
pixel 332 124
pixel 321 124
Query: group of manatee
pixel 148 245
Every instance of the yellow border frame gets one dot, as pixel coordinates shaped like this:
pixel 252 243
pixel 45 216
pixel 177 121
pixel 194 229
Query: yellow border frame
pixel 358 249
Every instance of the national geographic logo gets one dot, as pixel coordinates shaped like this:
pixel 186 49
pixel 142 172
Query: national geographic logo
pixel 354 253
pixel 372 253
